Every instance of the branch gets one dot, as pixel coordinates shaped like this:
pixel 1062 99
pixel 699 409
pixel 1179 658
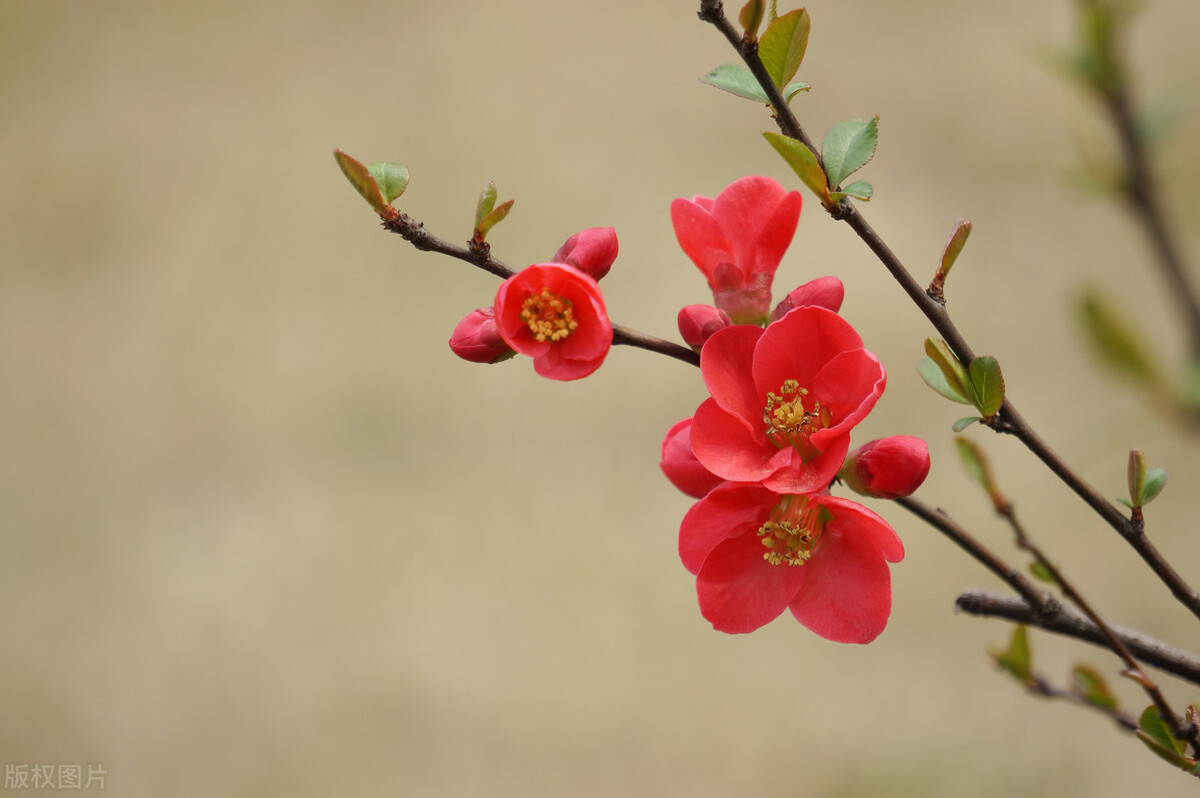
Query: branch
pixel 1042 687
pixel 1071 623
pixel 479 254
pixel 1007 419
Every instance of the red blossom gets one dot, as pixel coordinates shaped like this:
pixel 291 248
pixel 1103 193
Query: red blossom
pixel 680 465
pixel 592 251
pixel 737 240
pixel 477 339
pixel 784 400
pixel 755 553
pixel 824 292
pixel 887 468
pixel 555 314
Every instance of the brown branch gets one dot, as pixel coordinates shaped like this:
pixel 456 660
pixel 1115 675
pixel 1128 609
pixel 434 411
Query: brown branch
pixel 1042 687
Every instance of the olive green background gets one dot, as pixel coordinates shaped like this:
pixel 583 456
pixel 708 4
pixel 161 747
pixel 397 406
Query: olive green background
pixel 262 534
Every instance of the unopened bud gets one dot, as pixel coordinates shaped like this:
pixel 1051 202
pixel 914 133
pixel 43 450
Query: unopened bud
pixel 887 468
pixel 824 292
pixel 592 251
pixel 477 339
pixel 698 322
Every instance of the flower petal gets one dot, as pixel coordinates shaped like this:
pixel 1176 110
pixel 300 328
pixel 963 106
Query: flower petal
pixel 730 447
pixel 725 363
pixel 700 237
pixel 799 345
pixel 727 511
pixel 739 591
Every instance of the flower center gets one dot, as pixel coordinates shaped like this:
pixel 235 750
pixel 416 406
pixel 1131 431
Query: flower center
pixel 548 316
pixel 789 423
pixel 791 534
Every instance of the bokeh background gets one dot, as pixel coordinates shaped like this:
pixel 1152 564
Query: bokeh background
pixel 261 534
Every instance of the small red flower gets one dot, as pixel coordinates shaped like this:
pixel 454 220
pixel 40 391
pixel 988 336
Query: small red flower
pixel 477 339
pixel 887 468
pixel 737 240
pixel 680 465
pixel 592 251
pixel 756 553
pixel 784 400
pixel 555 314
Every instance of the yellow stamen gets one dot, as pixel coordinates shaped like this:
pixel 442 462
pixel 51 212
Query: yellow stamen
pixel 789 423
pixel 793 531
pixel 548 316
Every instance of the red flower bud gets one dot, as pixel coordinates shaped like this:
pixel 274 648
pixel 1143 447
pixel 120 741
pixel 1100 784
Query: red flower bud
pixel 824 292
pixel 592 251
pixel 887 468
pixel 477 339
pixel 680 465
pixel 698 322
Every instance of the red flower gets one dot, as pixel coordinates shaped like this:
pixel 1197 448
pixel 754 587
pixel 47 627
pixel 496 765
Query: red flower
pixel 680 465
pixel 477 339
pixel 887 468
pixel 755 553
pixel 555 314
pixel 784 400
pixel 737 240
pixel 592 251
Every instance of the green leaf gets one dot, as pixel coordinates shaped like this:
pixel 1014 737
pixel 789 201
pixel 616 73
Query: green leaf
pixel 935 379
pixel 847 147
pixel 487 201
pixel 751 17
pixel 963 423
pixel 736 80
pixel 1114 341
pixel 859 190
pixel 392 179
pixel 494 218
pixel 1091 687
pixel 953 370
pixel 1042 573
pixel 986 385
pixel 360 177
pixel 1135 475
pixel 1154 733
pixel 1156 480
pixel 803 163
pixel 958 239
pixel 976 464
pixel 1016 659
pixel 783 44
pixel 792 89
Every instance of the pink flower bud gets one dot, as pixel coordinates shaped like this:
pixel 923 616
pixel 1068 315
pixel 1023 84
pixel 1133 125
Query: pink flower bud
pixel 477 339
pixel 698 322
pixel 887 468
pixel 680 465
pixel 592 251
pixel 824 292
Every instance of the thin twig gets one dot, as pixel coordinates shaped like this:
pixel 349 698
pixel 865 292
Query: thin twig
pixel 480 255
pixel 1007 419
pixel 1072 623
pixel 1044 688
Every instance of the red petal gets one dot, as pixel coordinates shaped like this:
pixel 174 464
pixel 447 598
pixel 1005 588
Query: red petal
pixel 813 476
pixel 847 596
pixel 700 237
pixel 799 345
pixel 777 234
pixel 739 591
pixel 743 210
pixel 678 462
pixel 727 511
pixel 725 363
pixel 730 447
pixel 850 385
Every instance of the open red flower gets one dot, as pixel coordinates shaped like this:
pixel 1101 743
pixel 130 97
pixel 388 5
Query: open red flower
pixel 737 240
pixel 555 314
pixel 784 400
pixel 756 553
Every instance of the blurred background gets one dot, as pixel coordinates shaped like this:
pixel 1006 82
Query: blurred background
pixel 262 534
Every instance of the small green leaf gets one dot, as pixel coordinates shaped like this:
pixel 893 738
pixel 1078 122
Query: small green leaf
pixel 360 177
pixel 1154 733
pixel 986 385
pixel 487 201
pixel 392 179
pixel 751 17
pixel 859 190
pixel 783 44
pixel 1091 687
pixel 935 379
pixel 1016 660
pixel 1042 573
pixel 1135 474
pixel 736 80
pixel 494 218
pixel 803 163
pixel 1156 480
pixel 963 423
pixel 952 368
pixel 958 239
pixel 976 464
pixel 847 147
pixel 1114 341
pixel 1125 502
